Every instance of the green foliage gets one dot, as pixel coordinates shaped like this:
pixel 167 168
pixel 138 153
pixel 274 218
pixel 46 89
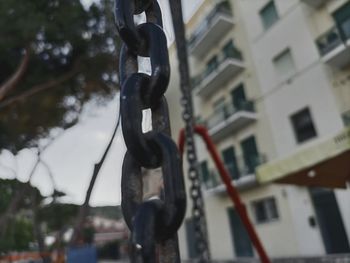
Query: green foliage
pixel 18 236
pixel 19 231
pixel 57 216
pixel 7 190
pixel 66 42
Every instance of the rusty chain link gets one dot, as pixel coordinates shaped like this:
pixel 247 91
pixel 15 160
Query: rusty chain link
pixel 153 223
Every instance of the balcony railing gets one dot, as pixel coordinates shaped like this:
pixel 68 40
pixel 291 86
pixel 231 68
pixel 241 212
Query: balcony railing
pixel 213 28
pixel 227 111
pixel 229 64
pixel 329 41
pixel 230 119
pixel 243 175
pixel 333 46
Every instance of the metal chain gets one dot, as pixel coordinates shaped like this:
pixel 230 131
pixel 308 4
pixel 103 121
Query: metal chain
pixel 198 212
pixel 153 223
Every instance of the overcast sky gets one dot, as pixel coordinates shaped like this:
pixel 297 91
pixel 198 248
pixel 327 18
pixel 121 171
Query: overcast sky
pixel 72 156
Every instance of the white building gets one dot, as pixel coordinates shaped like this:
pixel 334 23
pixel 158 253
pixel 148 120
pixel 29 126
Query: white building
pixel 272 84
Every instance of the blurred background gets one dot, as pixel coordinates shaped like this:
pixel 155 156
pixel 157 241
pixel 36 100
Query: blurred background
pixel 270 82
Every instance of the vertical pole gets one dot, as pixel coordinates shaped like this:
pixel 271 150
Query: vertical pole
pixel 202 240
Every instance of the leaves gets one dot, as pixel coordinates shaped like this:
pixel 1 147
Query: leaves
pixel 63 38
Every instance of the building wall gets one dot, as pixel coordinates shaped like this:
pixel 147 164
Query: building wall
pixel 222 244
pixel 314 84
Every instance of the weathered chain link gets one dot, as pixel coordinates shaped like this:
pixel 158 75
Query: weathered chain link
pixel 153 223
pixel 198 212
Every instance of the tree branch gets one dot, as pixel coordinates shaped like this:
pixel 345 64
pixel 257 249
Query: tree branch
pixel 39 88
pixel 12 82
pixel 21 192
pixel 84 208
pixel 49 172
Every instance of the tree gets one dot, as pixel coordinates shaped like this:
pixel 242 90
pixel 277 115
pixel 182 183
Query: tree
pixel 55 55
pixel 18 233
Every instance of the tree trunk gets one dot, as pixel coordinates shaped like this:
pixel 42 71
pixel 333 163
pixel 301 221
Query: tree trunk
pixel 37 228
pixel 84 208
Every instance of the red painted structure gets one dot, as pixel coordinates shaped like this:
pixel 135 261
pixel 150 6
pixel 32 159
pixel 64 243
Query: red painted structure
pixel 231 190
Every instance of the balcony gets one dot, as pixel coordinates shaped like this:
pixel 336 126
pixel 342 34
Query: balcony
pixel 334 47
pixel 230 119
pixel 244 178
pixel 215 26
pixel 315 3
pixel 229 66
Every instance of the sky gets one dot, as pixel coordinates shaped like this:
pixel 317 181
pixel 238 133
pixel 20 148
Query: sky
pixel 71 157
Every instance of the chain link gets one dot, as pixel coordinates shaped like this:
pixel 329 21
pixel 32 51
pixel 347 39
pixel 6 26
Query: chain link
pixel 198 212
pixel 153 223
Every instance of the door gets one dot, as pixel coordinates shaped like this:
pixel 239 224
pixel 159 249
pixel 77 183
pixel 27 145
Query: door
pixel 241 242
pixel 250 154
pixel 230 161
pixel 330 221
pixel 238 97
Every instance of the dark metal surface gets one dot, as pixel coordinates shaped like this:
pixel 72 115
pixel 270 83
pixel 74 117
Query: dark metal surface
pixel 153 223
pixel 198 212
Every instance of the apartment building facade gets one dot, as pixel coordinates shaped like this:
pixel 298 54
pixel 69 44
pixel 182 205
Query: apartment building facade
pixel 271 80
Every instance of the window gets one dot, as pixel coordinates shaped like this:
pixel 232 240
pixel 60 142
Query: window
pixel 303 125
pixel 342 18
pixel 265 210
pixel 269 15
pixel 284 64
pixel 238 97
pixel 250 155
